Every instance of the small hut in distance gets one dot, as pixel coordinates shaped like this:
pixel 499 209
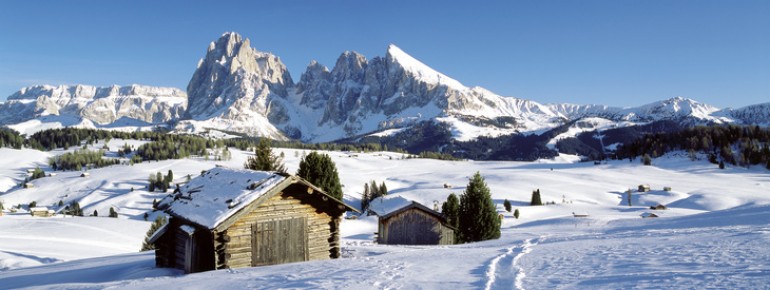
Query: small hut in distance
pixel 413 224
pixel 644 188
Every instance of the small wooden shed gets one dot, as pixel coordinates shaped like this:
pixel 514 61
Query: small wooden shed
pixel 41 211
pixel 644 188
pixel 232 218
pixel 648 215
pixel 414 224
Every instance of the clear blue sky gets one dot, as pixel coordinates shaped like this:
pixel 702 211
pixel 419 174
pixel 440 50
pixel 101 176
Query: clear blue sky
pixel 620 53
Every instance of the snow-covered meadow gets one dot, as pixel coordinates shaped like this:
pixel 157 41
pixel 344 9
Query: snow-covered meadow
pixel 715 233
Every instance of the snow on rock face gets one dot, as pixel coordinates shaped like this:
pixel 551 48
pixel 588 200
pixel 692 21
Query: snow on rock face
pixel 220 192
pixel 101 105
pixel 236 82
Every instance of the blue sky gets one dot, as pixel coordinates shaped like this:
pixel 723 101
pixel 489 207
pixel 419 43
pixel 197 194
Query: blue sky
pixel 621 53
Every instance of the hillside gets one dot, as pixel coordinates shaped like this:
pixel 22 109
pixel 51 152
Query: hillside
pixel 720 215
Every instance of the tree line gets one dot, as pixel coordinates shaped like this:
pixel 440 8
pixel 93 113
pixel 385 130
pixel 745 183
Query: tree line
pixel 732 144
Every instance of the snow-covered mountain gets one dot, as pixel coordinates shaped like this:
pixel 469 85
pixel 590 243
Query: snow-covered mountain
pixel 90 106
pixel 240 89
pixel 233 89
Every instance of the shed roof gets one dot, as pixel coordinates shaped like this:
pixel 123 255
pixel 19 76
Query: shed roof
pixel 410 205
pixel 220 193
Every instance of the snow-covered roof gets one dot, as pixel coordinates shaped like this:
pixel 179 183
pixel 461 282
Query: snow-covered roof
pixel 210 199
pixel 389 207
pixel 387 204
pixel 219 193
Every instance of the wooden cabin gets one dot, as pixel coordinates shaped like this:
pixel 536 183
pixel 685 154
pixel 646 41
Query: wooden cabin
pixel 231 218
pixel 648 215
pixel 414 224
pixel 644 188
pixel 85 174
pixel 658 207
pixel 41 211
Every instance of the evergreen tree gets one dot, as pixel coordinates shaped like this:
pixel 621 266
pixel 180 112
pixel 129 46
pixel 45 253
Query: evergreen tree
pixel 1 206
pixel 365 197
pixel 451 210
pixel 646 160
pixel 151 186
pixel 32 204
pixel 721 164
pixel 375 190
pixel 61 203
pixel 159 222
pixel 516 213
pixel 477 215
pixel 536 198
pixel 146 215
pixel 264 159
pixel 169 177
pixel 507 205
pixel 96 213
pixel 319 169
pixel 383 189
pixel 113 213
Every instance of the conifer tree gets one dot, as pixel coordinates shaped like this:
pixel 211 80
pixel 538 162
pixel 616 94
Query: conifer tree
pixel 477 215
pixel 451 210
pixel 516 213
pixel 507 205
pixel 159 222
pixel 151 186
pixel 383 189
pixel 264 159
pixel 96 213
pixel 113 213
pixel 365 197
pixel 319 169
pixel 536 198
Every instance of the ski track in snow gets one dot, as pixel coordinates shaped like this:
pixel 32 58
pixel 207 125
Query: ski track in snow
pixel 512 274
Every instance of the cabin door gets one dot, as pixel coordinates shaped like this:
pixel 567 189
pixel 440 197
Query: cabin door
pixel 279 241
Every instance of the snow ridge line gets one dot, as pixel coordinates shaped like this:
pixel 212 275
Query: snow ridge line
pixel 526 248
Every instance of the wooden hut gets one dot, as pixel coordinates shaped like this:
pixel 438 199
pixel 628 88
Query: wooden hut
pixel 41 211
pixel 414 224
pixel 648 215
pixel 229 218
pixel 644 188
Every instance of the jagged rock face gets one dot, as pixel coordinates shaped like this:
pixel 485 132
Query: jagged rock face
pixel 236 82
pixel 101 105
pixel 758 114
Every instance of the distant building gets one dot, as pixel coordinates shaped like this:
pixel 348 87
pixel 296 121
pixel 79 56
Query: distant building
pixel 41 211
pixel 414 224
pixel 228 218
pixel 644 188
pixel 648 215
pixel 658 207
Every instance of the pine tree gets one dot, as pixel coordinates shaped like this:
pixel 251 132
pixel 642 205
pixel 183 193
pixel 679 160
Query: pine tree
pixel 721 164
pixel 375 190
pixel 96 213
pixel 1 206
pixel 319 169
pixel 32 204
pixel 146 215
pixel 365 197
pixel 516 213
pixel 169 177
pixel 264 159
pixel 451 210
pixel 478 215
pixel 113 213
pixel 159 222
pixel 646 160
pixel 507 205
pixel 536 198
pixel 151 186
pixel 383 189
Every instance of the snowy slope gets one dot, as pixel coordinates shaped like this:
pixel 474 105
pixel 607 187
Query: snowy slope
pixel 714 234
